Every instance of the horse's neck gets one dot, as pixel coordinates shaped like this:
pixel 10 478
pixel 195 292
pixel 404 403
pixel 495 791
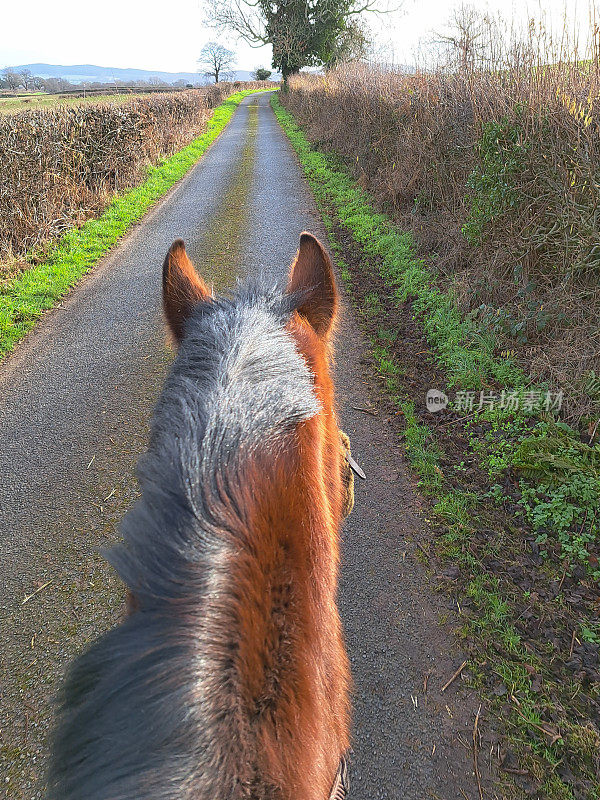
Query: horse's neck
pixel 282 658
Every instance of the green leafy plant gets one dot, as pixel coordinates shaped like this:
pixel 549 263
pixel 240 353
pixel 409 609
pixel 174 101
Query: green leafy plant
pixel 560 489
pixel 553 455
pixel 492 184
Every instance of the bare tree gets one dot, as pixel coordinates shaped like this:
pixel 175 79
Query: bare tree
pixel 28 81
pixel 54 85
pixel 353 44
pixel 12 79
pixel 468 38
pixel 216 60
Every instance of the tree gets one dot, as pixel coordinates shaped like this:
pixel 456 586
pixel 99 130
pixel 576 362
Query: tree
pixel 469 38
pixel 55 85
pixel 353 44
pixel 12 79
pixel 302 33
pixel 216 59
pixel 262 74
pixel 28 81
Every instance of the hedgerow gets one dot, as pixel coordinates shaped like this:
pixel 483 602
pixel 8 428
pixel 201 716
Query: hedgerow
pixel 469 357
pixel 495 173
pixel 24 298
pixel 62 165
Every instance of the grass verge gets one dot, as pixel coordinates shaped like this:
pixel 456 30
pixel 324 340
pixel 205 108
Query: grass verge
pixel 512 492
pixel 26 297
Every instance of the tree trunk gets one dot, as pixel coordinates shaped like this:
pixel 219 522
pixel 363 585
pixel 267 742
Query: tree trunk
pixel 285 74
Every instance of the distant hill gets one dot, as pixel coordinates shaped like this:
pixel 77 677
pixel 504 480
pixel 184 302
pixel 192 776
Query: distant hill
pixel 88 73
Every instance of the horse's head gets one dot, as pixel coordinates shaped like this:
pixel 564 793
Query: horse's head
pixel 311 280
pixel 274 470
pixel 314 302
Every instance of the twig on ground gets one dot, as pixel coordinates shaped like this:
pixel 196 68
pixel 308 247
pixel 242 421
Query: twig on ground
pixel 423 550
pixel 562 580
pixel 426 681
pixel 454 677
pixel 37 591
pixel 513 771
pixel 475 752
pixel 554 737
pixel 572 645
pixel 372 411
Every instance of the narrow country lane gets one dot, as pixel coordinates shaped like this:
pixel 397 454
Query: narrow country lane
pixel 75 401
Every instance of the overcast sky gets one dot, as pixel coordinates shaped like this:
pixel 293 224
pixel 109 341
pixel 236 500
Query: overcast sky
pixel 131 33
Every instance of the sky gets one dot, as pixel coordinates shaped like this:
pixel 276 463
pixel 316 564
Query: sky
pixel 132 33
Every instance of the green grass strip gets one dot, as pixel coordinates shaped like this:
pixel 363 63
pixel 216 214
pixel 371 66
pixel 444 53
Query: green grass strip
pixel 24 300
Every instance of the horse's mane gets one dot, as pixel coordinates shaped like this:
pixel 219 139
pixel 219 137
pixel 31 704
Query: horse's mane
pixel 152 709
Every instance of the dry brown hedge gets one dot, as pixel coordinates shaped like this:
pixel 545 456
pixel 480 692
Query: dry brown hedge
pixel 59 166
pixel 513 221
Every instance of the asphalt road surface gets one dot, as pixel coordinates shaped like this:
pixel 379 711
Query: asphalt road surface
pixel 75 399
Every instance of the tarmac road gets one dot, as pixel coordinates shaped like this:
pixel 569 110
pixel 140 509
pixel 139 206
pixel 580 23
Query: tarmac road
pixel 74 405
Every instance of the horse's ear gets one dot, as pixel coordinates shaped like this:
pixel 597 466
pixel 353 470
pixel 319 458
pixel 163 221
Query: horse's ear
pixel 311 275
pixel 183 288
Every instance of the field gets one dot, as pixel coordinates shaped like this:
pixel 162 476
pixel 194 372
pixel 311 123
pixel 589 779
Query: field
pixel 11 105
pixel 462 207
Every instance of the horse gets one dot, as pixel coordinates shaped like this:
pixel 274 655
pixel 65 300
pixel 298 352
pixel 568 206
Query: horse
pixel 227 677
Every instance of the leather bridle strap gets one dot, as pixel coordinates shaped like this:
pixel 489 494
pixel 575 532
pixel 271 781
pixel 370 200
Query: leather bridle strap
pixel 341 784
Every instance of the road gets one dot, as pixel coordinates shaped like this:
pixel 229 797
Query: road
pixel 75 399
